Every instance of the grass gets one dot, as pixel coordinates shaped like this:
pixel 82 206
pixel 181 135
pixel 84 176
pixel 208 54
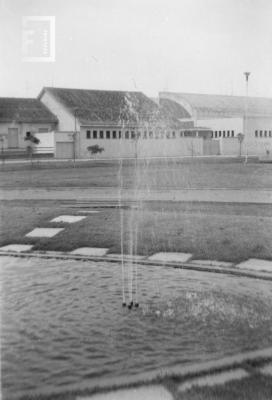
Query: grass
pixel 159 174
pixel 226 232
pixel 231 232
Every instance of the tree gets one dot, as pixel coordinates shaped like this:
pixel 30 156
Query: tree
pixel 95 149
pixel 31 142
pixel 240 137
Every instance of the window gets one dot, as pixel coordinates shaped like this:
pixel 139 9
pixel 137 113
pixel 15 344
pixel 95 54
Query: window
pixel 270 134
pixel 107 134
pixel 211 134
pixel 132 135
pixel 114 134
pixel 127 135
pixel 232 133
pixel 138 134
pixel 219 133
pixel 28 134
pixel 256 133
pixel 173 134
pixel 261 133
pixel 265 133
pixel 101 134
pixel 224 133
pixel 215 134
pixel 150 135
pixel 88 134
pixel 145 135
pixel 94 134
pixel 120 134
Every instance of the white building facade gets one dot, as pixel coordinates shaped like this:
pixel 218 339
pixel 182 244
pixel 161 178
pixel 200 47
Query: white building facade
pixel 228 116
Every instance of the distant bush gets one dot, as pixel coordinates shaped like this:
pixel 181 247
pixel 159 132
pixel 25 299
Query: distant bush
pixel 31 138
pixel 95 149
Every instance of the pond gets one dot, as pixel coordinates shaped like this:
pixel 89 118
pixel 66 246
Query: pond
pixel 63 324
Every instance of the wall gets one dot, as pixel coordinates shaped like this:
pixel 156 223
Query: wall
pixel 223 124
pixel 22 129
pixel 66 119
pixel 122 148
pixel 47 142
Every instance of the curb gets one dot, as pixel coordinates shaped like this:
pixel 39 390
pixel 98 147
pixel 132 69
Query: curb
pixel 187 265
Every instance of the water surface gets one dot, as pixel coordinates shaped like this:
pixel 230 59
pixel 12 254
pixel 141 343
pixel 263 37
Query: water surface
pixel 63 325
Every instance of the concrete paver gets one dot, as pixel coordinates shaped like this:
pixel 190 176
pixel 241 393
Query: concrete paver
pixel 256 264
pixel 170 257
pixel 69 219
pixel 90 251
pixel 17 247
pixel 44 232
pixel 267 369
pixel 142 393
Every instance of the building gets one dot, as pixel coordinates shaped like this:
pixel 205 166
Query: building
pixel 123 124
pixel 20 117
pixel 227 116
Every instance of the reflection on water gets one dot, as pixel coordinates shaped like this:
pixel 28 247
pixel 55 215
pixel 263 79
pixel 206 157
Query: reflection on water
pixel 63 323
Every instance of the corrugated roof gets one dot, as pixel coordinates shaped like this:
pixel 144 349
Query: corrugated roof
pixel 174 108
pixel 25 110
pixel 100 106
pixel 212 105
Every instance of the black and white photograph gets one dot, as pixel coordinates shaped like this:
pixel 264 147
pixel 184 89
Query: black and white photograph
pixel 136 199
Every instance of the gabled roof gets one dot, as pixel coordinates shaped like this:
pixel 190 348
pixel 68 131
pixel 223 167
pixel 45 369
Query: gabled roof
pixel 213 105
pixel 106 106
pixel 14 109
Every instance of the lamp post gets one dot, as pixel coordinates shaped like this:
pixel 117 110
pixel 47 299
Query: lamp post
pixel 246 111
pixel 74 137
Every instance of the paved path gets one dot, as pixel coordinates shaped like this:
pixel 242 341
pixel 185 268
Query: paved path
pixel 113 194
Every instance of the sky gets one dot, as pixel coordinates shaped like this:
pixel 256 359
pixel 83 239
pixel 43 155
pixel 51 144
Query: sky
pixel 193 46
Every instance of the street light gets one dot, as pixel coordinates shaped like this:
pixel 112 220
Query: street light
pixel 74 137
pixel 246 109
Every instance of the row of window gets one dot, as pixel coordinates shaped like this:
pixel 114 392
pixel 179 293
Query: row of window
pixel 95 134
pixel 263 133
pixel 218 134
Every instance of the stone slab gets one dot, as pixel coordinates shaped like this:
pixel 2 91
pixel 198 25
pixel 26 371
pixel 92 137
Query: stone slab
pixel 126 256
pixel 170 257
pixel 267 369
pixel 69 219
pixel 142 393
pixel 90 251
pixel 212 263
pixel 19 248
pixel 214 379
pixel 255 264
pixel 44 232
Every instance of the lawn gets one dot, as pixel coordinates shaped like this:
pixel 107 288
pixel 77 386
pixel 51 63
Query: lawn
pixel 158 174
pixel 226 232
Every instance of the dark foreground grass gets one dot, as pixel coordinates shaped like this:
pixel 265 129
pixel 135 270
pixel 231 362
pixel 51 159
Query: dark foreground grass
pixel 155 174
pixel 225 232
